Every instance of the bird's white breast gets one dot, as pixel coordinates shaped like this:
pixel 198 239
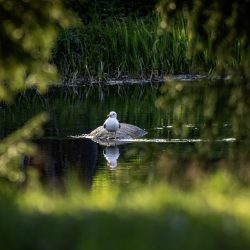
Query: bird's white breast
pixel 111 124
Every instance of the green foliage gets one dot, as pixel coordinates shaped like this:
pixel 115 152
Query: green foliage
pixel 119 47
pixel 214 215
pixel 16 145
pixel 28 29
pixel 221 27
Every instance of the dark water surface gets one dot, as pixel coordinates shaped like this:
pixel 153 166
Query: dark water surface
pixel 79 110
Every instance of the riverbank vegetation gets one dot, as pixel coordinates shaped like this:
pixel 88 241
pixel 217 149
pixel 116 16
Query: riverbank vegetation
pixel 105 45
pixel 126 47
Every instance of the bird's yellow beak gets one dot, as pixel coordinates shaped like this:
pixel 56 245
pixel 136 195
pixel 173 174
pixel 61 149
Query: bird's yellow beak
pixel 108 115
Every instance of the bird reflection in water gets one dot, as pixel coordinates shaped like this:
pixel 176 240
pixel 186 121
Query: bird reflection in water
pixel 111 154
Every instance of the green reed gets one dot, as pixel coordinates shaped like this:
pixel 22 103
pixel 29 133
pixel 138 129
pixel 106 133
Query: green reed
pixel 126 47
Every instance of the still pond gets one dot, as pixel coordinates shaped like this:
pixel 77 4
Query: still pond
pixel 75 111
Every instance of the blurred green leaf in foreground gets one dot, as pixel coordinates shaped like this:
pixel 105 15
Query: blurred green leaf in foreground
pixel 213 215
pixel 16 145
pixel 27 32
pixel 221 27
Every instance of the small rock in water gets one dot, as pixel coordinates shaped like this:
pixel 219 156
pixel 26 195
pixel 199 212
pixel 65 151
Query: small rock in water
pixel 112 130
pixel 126 131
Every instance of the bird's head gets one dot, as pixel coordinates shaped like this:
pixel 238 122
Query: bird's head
pixel 112 114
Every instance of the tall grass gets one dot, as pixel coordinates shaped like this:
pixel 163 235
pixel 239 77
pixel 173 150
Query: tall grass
pixel 118 47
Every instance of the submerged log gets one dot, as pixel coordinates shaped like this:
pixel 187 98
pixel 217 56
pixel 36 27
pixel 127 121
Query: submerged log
pixel 125 132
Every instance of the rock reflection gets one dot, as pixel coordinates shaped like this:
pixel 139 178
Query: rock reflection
pixel 111 154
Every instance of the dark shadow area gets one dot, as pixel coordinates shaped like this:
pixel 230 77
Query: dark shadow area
pixel 56 157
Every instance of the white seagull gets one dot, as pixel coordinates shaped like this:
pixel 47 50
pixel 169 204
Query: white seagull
pixel 112 124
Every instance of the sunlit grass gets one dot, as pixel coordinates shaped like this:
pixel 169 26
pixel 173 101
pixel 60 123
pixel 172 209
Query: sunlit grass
pixel 210 215
pixel 219 193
